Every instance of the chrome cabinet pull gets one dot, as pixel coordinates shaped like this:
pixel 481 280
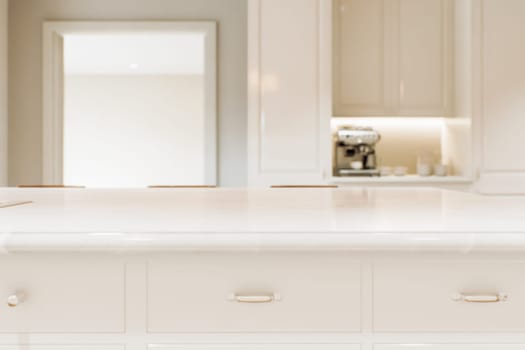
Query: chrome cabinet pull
pixel 15 299
pixel 480 298
pixel 254 299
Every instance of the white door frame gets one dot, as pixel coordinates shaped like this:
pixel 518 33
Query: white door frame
pixel 53 87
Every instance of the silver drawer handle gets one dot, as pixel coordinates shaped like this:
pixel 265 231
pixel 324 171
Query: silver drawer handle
pixel 254 299
pixel 15 299
pixel 481 298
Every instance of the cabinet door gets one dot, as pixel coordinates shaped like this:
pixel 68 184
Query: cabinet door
pixel 284 122
pixel 391 57
pixel 501 95
pixel 423 57
pixel 359 57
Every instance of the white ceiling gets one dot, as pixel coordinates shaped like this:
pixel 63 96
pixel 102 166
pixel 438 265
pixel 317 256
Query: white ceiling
pixel 137 53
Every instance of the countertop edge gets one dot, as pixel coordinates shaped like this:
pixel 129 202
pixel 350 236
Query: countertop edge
pixel 153 242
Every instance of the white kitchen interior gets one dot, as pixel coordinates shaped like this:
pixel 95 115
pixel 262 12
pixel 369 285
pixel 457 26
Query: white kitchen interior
pixel 262 175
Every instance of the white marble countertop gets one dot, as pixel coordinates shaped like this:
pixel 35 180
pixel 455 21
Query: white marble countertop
pixel 351 218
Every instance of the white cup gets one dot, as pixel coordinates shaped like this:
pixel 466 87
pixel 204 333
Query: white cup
pixel 385 171
pixel 400 170
pixel 356 165
pixel 424 169
pixel 440 170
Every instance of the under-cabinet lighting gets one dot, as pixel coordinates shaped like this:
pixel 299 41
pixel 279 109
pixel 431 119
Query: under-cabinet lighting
pixel 390 122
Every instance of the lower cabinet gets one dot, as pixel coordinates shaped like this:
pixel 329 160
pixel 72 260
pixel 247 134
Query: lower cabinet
pixel 299 300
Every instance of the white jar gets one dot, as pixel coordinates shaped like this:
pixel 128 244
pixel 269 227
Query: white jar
pixel 385 171
pixel 440 170
pixel 424 169
pixel 400 170
pixel 425 164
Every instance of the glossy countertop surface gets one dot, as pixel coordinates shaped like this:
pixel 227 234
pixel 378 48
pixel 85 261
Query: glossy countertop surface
pixel 345 218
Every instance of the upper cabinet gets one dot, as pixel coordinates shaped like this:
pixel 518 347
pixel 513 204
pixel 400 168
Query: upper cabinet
pixel 392 57
pixel 359 57
pixel 424 57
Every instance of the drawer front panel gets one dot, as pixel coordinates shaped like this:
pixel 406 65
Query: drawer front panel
pixel 451 347
pixel 62 347
pixel 61 295
pixel 212 293
pixel 449 297
pixel 258 347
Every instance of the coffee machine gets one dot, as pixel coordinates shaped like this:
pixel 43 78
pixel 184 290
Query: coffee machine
pixel 355 153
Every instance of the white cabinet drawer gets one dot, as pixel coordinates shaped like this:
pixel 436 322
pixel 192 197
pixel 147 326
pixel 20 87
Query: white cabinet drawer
pixel 449 297
pixel 61 294
pixel 451 347
pixel 258 347
pixel 62 347
pixel 202 293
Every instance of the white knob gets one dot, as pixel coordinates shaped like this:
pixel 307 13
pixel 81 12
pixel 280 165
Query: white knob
pixel 15 299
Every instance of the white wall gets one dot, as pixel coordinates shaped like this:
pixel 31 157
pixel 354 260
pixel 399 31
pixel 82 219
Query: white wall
pixel 25 83
pixel 134 131
pixel 3 92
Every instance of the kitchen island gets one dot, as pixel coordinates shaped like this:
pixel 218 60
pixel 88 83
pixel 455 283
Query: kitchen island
pixel 283 269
